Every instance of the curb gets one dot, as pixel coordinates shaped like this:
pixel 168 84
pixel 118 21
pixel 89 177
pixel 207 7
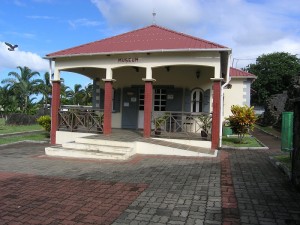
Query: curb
pixel 264 147
pixel 225 147
pixel 268 133
pixel 25 141
pixel 20 133
pixel 283 168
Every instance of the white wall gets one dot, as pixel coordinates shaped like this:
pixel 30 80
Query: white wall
pixel 234 96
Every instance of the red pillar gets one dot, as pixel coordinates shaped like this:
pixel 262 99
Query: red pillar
pixel 216 114
pixel 107 107
pixel 54 110
pixel 148 108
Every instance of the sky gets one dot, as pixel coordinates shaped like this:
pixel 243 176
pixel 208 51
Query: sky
pixel 249 27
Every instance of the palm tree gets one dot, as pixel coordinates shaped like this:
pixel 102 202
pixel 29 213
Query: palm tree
pixel 87 94
pixel 65 94
pixel 8 101
pixel 77 94
pixel 23 85
pixel 45 89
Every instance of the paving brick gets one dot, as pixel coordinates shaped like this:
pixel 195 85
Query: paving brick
pixel 237 187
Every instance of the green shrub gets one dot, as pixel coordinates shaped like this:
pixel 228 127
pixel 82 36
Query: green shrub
pixel 242 120
pixel 45 122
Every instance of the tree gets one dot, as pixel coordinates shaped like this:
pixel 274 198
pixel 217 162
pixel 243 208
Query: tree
pixel 87 94
pixel 23 85
pixel 274 74
pixel 65 94
pixel 45 89
pixel 242 120
pixel 76 94
pixel 8 100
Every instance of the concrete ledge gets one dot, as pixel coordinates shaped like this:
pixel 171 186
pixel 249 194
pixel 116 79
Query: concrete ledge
pixel 154 149
pixel 225 147
pixel 196 143
pixel 263 146
pixel 283 168
pixel 67 136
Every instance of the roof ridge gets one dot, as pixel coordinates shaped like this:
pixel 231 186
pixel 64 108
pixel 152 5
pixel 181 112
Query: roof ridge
pixel 107 38
pixel 189 36
pixel 153 29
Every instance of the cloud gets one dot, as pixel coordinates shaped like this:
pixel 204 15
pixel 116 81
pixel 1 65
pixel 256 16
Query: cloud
pixel 12 59
pixel 249 27
pixel 41 17
pixel 139 13
pixel 83 22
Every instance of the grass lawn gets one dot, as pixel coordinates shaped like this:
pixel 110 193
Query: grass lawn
pixel 5 129
pixel 34 137
pixel 284 159
pixel 269 129
pixel 247 142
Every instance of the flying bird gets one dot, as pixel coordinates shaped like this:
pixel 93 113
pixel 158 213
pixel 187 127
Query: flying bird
pixel 11 47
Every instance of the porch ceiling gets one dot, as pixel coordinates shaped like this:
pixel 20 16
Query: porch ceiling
pixel 90 72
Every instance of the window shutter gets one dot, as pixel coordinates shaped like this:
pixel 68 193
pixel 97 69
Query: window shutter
pixel 101 98
pixel 187 100
pixel 174 99
pixel 117 100
pixel 206 101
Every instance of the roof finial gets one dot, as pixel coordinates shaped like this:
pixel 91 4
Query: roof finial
pixel 153 14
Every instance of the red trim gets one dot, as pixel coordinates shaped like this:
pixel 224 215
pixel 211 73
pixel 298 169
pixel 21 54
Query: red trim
pixel 148 109
pixel 107 107
pixel 54 110
pixel 216 114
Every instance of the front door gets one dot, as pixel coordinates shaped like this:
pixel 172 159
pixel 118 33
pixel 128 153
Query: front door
pixel 130 108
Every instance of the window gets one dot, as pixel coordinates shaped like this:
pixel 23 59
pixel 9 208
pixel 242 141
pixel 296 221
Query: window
pixel 141 99
pixel 196 100
pixel 160 99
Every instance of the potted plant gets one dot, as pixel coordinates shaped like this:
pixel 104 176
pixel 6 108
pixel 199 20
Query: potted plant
pixel 205 120
pixel 101 120
pixel 159 122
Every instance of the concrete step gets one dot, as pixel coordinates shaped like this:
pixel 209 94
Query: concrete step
pixel 94 140
pixel 87 154
pixel 95 147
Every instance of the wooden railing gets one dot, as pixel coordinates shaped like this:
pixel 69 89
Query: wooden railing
pixel 184 123
pixel 84 119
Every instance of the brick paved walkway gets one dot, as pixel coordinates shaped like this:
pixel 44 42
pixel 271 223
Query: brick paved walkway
pixel 237 187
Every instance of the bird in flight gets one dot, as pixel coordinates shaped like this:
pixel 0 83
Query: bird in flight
pixel 11 47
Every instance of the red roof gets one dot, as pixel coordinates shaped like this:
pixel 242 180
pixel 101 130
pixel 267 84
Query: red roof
pixel 236 73
pixel 151 38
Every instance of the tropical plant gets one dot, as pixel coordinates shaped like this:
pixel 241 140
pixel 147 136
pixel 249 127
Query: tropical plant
pixel 65 94
pixel 8 100
pixel 23 85
pixel 160 121
pixel 205 120
pixel 87 94
pixel 242 120
pixel 45 89
pixel 45 122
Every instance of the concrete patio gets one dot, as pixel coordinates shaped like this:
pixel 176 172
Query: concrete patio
pixel 236 187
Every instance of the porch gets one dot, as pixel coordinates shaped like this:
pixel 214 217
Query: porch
pixel 166 124
pixel 121 144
